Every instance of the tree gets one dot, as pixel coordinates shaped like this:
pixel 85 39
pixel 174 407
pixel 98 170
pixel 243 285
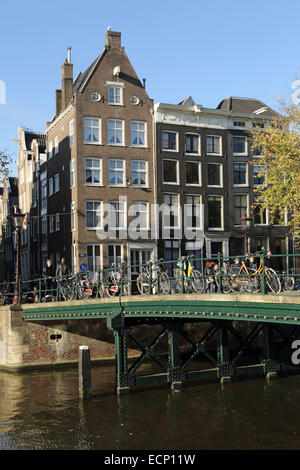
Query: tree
pixel 5 161
pixel 279 144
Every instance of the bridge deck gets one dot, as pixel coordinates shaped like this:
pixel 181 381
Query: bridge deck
pixel 283 308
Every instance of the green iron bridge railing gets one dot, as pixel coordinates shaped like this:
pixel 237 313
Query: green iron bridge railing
pixel 258 273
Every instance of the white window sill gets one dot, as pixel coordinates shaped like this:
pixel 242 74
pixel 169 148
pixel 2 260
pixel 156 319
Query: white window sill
pixel 194 184
pixel 173 184
pixel 216 229
pixel 240 154
pixel 140 146
pixel 117 186
pixel 116 104
pixel 92 143
pixel 214 154
pixel 169 150
pixel 241 185
pixel 140 186
pixel 116 145
pixel 98 185
pixel 214 186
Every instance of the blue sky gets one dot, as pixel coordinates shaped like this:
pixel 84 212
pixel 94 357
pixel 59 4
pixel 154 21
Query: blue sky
pixel 209 50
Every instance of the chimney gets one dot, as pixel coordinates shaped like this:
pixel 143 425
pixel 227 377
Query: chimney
pixel 58 101
pixel 113 38
pixel 67 81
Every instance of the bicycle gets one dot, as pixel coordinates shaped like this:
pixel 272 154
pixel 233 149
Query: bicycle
pixel 243 278
pixel 118 282
pixel 191 277
pixel 146 281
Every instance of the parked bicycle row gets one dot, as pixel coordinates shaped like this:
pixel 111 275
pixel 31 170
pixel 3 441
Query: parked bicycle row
pixel 251 274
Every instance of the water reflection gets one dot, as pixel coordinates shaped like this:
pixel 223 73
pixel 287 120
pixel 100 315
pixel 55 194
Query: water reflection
pixel 42 410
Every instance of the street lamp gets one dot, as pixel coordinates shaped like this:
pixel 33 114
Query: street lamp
pixel 18 219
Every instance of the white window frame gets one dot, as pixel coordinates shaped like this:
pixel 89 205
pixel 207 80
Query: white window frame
pixel 237 224
pixel 220 146
pixel 57 222
pixel 200 209
pixel 91 169
pixel 138 170
pixel 260 167
pixel 216 229
pixel 114 245
pixel 72 210
pixel 116 144
pixel 146 204
pixel 267 218
pixel 246 145
pixel 71 133
pixel 56 145
pixel 50 187
pixel 72 173
pixel 199 144
pixel 99 142
pixel 221 175
pixel 177 171
pixel 50 149
pixel 56 183
pixel 173 227
pixel 111 227
pixel 51 224
pixel 139 131
pixel 100 214
pixel 162 140
pixel 118 85
pixel 243 185
pixel 199 173
pixel 93 245
pixel 117 170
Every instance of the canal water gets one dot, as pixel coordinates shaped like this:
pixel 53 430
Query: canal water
pixel 41 410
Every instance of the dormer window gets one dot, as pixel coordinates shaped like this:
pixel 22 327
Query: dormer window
pixel 115 93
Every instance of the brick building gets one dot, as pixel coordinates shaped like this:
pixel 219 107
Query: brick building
pixel 205 165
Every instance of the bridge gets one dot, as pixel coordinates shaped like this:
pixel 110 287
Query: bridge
pixel 241 334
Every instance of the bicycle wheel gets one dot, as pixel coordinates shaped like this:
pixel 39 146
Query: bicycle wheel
pixel 254 282
pixel 272 281
pixel 142 283
pixel 164 283
pixel 112 290
pixel 198 282
pixel 236 280
pixel 126 287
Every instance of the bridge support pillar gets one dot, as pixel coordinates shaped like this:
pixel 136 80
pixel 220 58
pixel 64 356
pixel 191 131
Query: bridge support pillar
pixel 271 367
pixel 224 370
pixel 122 382
pixel 175 374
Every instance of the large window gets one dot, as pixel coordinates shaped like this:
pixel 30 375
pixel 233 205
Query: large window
pixel 239 145
pixel 260 215
pixel 240 174
pixel 215 218
pixel 171 212
pixel 92 170
pixel 138 136
pixel 170 171
pixel 71 133
pixel 193 173
pixel 193 212
pixel 117 214
pixel 258 175
pixel 115 131
pixel 91 130
pixel 72 207
pixel 115 95
pixel 213 144
pixel 171 254
pixel 114 255
pixel 169 140
pixel 72 173
pixel 139 173
pixel 140 215
pixel 93 257
pixel 240 207
pixel 214 174
pixel 93 214
pixel 192 143
pixel 116 172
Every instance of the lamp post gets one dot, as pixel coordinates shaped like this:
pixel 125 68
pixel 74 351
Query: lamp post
pixel 18 218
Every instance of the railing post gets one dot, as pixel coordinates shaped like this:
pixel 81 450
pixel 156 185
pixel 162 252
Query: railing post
pixel 219 273
pixel 263 287
pixel 84 372
pixel 182 276
pixel 150 278
pixel 40 288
